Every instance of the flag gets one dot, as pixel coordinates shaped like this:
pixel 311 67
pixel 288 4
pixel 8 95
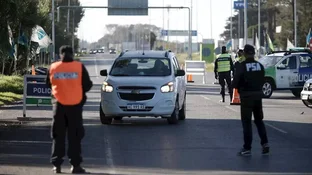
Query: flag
pixel 257 44
pixel 229 45
pixel 22 39
pixel 270 46
pixel 289 44
pixel 41 37
pixel 11 41
pixel 308 37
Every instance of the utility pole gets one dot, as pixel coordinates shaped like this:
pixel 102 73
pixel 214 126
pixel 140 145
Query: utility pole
pixel 245 22
pixel 259 23
pixel 163 45
pixel 53 29
pixel 210 19
pixel 68 17
pixel 231 28
pixel 168 28
pixel 295 22
pixel 73 35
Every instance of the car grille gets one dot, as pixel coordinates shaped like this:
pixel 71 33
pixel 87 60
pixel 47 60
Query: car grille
pixel 135 87
pixel 136 97
pixel 147 108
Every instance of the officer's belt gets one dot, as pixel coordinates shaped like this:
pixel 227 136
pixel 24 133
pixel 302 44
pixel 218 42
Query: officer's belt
pixel 251 94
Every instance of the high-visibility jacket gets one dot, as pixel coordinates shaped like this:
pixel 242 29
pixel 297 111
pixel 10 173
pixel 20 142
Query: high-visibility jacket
pixel 224 63
pixel 66 82
pixel 240 59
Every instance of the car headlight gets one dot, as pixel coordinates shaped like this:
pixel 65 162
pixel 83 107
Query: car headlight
pixel 167 87
pixel 107 87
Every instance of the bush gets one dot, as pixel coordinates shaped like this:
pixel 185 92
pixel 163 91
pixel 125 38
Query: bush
pixel 12 84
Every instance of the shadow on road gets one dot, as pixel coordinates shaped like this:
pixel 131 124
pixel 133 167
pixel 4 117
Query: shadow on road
pixel 142 144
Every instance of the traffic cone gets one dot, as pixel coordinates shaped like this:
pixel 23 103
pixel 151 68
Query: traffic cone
pixel 235 99
pixel 190 78
pixel 33 72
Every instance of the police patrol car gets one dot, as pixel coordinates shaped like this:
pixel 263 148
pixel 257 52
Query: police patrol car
pixel 286 70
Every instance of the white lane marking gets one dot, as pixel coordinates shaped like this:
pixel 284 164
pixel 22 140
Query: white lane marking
pixel 230 108
pixel 269 125
pixel 206 98
pixel 96 68
pixel 276 128
pixel 109 157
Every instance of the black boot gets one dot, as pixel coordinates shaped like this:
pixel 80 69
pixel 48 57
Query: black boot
pixel 57 169
pixel 78 170
pixel 223 99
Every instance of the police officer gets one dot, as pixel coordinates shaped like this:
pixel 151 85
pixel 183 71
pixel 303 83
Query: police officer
pixel 222 68
pixel 69 81
pixel 249 80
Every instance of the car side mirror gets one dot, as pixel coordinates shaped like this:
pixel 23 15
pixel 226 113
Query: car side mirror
pixel 281 66
pixel 103 72
pixel 180 73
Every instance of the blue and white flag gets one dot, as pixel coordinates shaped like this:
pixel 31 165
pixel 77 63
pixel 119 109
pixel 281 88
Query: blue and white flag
pixel 229 45
pixel 41 37
pixel 308 37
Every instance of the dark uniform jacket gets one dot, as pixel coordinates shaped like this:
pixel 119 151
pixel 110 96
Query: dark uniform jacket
pixel 249 79
pixel 86 81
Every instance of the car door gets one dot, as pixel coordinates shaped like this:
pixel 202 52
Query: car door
pixel 178 80
pixel 287 72
pixel 305 69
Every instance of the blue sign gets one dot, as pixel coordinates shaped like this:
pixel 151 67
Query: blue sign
pixel 38 90
pixel 178 33
pixel 206 52
pixel 239 5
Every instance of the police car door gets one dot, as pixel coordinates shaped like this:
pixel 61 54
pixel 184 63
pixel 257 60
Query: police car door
pixel 305 69
pixel 287 72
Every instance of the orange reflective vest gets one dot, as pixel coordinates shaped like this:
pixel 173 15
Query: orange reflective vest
pixel 66 82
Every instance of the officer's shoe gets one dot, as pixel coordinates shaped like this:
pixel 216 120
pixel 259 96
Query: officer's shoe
pixel 78 170
pixel 265 149
pixel 56 169
pixel 244 152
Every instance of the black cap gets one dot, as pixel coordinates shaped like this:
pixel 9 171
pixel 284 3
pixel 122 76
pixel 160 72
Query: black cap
pixel 249 49
pixel 240 51
pixel 66 49
pixel 223 49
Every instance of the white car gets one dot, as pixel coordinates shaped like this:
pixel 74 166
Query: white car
pixel 306 93
pixel 144 83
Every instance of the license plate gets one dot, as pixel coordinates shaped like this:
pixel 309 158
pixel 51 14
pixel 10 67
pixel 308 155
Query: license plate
pixel 305 97
pixel 135 106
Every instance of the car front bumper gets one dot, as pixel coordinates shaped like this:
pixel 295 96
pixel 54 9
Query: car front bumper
pixel 162 104
pixel 306 95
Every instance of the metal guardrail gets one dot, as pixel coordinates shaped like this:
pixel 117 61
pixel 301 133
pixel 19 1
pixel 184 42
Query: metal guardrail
pixel 195 68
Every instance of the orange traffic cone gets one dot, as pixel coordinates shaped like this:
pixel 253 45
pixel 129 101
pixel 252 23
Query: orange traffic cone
pixel 190 79
pixel 235 99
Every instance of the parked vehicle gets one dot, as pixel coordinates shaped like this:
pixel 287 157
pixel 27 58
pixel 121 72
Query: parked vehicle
pixel 306 93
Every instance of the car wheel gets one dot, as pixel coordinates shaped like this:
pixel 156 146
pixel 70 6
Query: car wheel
pixel 267 89
pixel 118 118
pixel 182 112
pixel 296 92
pixel 175 115
pixel 308 103
pixel 104 120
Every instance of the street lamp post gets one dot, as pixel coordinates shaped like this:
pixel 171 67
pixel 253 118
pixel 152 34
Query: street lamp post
pixel 53 29
pixel 259 23
pixel 295 22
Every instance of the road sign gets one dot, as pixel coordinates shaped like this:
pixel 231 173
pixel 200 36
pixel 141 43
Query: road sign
pixel 135 8
pixel 38 90
pixel 239 5
pixel 178 33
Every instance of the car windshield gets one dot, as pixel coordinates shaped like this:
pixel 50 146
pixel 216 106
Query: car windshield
pixel 141 67
pixel 268 61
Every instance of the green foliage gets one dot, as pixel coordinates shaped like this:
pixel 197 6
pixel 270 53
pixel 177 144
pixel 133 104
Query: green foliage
pixel 9 97
pixel 12 84
pixel 274 13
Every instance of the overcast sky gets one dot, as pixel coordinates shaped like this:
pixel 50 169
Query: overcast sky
pixel 92 26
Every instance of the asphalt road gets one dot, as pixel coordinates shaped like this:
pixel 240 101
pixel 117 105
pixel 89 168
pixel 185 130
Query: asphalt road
pixel 205 143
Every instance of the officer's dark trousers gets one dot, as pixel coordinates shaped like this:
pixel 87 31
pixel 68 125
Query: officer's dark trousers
pixel 67 118
pixel 249 107
pixel 225 77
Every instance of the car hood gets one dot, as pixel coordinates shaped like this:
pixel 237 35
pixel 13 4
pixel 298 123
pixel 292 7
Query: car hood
pixel 138 81
pixel 309 81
